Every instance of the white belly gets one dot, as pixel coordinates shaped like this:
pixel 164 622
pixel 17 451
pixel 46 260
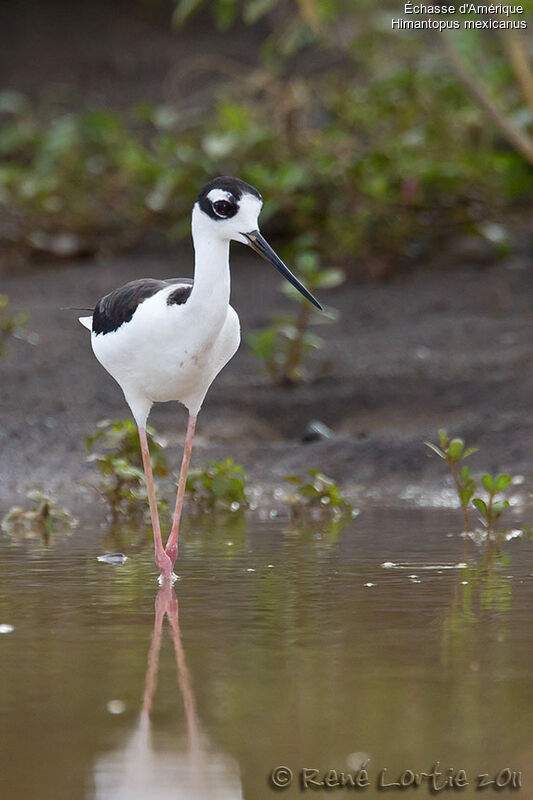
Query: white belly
pixel 168 352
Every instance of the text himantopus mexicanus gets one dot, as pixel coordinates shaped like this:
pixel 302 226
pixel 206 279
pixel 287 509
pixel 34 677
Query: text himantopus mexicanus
pixel 168 339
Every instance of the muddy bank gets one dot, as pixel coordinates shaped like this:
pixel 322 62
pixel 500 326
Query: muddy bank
pixel 434 348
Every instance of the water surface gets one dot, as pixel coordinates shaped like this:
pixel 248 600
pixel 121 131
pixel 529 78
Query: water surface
pixel 280 646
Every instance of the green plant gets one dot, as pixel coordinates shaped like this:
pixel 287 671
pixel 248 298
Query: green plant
pixel 356 153
pixel 40 521
pixel 492 509
pixel 316 494
pixel 66 177
pixel 316 22
pixel 10 325
pixel 218 485
pixel 356 150
pixel 453 452
pixel 285 344
pixel 225 12
pixel 120 463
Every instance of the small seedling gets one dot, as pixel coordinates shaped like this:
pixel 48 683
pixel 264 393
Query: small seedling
pixel 218 485
pixel 120 463
pixel 492 509
pixel 453 452
pixel 285 344
pixel 39 522
pixel 316 494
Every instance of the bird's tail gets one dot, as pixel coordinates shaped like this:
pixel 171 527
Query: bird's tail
pixel 87 322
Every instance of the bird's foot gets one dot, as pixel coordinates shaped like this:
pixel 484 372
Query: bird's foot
pixel 162 579
pixel 164 563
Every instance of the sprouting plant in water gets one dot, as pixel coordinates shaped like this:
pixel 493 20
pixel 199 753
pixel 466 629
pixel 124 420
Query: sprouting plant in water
pixel 316 494
pixel 284 346
pixel 494 504
pixel 218 485
pixel 491 509
pixel 10 324
pixel 453 452
pixel 119 462
pixel 40 521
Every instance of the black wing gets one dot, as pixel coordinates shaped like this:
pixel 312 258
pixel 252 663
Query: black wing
pixel 120 305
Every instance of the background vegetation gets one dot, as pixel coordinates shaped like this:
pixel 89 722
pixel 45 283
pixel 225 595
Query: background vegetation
pixel 369 145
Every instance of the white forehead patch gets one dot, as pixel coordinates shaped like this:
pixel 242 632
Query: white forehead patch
pixel 219 194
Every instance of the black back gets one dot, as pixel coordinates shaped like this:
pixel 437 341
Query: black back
pixel 120 305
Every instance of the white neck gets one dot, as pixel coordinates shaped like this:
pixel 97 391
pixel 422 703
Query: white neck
pixel 211 264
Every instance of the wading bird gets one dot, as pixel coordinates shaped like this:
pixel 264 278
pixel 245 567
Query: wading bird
pixel 168 339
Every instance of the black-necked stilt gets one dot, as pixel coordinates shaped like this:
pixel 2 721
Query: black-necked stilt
pixel 168 339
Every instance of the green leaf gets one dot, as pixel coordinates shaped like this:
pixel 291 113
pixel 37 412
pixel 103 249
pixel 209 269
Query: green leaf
pixel 502 482
pixel 308 490
pixel 443 438
pixel 263 343
pixel 330 278
pixel 499 507
pixel 225 13
pixel 435 449
pixel 455 449
pixel 481 506
pixel 488 482
pixel 465 496
pixel 219 486
pixel 469 451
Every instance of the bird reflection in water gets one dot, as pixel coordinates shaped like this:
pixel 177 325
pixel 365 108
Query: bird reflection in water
pixel 139 771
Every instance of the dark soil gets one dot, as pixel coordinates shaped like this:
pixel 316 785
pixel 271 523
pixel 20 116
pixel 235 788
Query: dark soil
pixel 430 349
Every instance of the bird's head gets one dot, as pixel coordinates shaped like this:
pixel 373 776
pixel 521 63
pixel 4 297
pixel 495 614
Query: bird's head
pixel 228 209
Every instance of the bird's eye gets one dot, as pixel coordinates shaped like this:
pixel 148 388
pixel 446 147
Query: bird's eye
pixel 223 208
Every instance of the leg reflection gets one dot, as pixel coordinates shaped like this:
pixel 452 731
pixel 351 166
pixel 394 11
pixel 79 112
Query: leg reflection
pixel 166 603
pixel 149 765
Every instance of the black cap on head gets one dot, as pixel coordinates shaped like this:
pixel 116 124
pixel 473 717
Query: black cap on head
pixel 228 206
pixel 226 183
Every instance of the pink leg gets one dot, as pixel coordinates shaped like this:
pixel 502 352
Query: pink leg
pixel 161 558
pixel 172 545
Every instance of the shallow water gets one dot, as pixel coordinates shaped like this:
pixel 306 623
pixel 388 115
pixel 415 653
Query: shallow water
pixel 279 647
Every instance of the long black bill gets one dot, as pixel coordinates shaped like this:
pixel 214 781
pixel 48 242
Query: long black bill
pixel 261 246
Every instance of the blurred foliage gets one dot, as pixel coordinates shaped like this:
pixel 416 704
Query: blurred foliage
pixel 40 521
pixel 285 345
pixel 122 481
pixel 360 135
pixel 217 486
pixel 316 495
pixel 10 324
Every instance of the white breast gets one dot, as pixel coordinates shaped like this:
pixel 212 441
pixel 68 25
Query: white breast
pixel 169 352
